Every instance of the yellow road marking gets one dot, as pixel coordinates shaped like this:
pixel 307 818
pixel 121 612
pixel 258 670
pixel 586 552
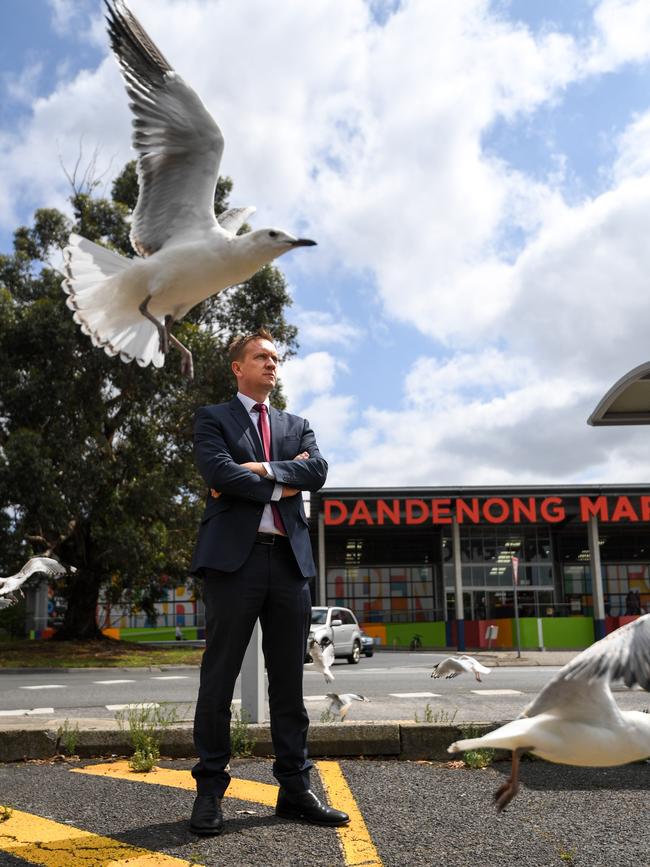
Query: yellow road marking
pixel 356 842
pixel 53 844
pixel 243 790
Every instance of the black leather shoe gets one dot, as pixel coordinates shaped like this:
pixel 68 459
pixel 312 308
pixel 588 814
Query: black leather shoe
pixel 207 818
pixel 307 807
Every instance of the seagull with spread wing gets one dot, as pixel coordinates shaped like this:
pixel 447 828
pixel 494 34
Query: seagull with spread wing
pixel 574 720
pixel 13 583
pixel 452 666
pixel 342 703
pixel 323 658
pixel 128 306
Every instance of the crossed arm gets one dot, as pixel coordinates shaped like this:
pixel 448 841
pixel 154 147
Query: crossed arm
pixel 249 480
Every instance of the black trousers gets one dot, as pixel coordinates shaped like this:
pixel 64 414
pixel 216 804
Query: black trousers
pixel 269 586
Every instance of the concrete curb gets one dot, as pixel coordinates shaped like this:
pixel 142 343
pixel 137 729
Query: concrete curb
pixel 403 740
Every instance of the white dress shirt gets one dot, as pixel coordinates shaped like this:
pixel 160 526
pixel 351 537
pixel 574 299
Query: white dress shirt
pixel 267 525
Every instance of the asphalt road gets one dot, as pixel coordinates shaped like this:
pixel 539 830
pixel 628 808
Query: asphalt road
pixel 399 687
pixel 414 814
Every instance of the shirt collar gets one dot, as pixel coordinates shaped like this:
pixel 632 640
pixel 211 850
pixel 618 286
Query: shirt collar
pixel 249 402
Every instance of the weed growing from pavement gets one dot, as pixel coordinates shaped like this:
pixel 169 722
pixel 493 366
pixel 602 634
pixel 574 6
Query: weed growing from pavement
pixel 567 856
pixel 327 716
pixel 146 723
pixel 481 757
pixel 5 813
pixel 436 716
pixel 67 737
pixel 241 740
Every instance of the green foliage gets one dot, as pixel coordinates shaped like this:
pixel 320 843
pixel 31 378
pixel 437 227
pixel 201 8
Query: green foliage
pixel 67 738
pixel 481 757
pixel 5 813
pixel 436 716
pixel 96 462
pixel 12 621
pixel 242 742
pixel 328 717
pixel 146 724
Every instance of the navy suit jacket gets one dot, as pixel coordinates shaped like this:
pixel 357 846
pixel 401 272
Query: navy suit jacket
pixel 224 438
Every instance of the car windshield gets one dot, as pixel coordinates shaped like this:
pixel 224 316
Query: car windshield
pixel 318 615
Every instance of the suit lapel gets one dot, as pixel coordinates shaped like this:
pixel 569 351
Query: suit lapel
pixel 244 420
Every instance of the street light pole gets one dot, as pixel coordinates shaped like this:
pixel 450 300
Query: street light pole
pixel 515 570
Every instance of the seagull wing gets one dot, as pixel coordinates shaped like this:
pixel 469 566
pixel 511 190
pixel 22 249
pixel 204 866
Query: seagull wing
pixel 234 219
pixel 581 689
pixel 179 145
pixel 451 667
pixel 47 565
pixel 328 655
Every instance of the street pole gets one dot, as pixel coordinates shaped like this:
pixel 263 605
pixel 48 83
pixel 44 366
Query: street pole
pixel 515 569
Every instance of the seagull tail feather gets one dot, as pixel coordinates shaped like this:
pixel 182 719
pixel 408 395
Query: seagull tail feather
pixel 94 288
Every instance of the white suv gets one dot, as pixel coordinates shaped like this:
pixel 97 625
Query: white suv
pixel 340 627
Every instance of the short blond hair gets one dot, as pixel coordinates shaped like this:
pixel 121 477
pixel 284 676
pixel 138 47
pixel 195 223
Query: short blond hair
pixel 238 346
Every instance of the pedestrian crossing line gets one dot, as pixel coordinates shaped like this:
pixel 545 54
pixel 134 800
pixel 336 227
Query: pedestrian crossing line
pixel 170 677
pixel 415 694
pixel 497 691
pixel 113 681
pixel 55 844
pixel 27 712
pixel 356 842
pixel 45 686
pixel 242 790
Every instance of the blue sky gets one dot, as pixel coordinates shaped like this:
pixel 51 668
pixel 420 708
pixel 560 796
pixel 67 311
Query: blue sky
pixel 477 175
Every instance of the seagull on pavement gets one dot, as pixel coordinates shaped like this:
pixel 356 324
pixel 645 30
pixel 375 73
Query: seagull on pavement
pixel 452 666
pixel 574 720
pixel 323 658
pixel 13 583
pixel 341 703
pixel 128 306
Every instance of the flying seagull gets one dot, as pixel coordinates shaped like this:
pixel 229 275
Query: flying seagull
pixel 128 306
pixel 323 658
pixel 13 583
pixel 575 720
pixel 452 666
pixel 341 703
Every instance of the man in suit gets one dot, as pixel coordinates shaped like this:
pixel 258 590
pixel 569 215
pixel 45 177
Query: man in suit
pixel 254 554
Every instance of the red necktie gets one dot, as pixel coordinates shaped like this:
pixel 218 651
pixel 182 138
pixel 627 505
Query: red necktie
pixel 265 435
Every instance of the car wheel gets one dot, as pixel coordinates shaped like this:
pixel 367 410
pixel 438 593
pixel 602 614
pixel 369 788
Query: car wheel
pixel 355 656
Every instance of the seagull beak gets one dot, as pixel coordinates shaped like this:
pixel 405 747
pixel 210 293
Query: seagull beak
pixel 303 242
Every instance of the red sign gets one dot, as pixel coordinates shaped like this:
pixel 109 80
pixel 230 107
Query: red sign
pixel 483 510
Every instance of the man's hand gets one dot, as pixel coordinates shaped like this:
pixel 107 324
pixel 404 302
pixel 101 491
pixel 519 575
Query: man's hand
pixel 289 492
pixel 303 456
pixel 255 467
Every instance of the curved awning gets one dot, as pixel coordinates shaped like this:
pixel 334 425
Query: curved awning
pixel 627 401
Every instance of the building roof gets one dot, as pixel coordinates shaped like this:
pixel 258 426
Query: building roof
pixel 627 401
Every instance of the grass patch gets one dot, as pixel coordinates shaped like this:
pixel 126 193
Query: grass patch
pixel 5 813
pixel 242 741
pixel 67 738
pixel 481 757
pixel 146 725
pixel 101 653
pixel 436 716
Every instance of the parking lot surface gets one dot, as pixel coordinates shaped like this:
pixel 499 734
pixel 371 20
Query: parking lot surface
pixel 68 814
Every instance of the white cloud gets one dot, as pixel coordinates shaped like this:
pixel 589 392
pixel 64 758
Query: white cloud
pixel 330 417
pixel 320 327
pixel 313 374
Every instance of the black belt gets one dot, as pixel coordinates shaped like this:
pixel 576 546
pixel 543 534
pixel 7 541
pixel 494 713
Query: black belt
pixel 270 538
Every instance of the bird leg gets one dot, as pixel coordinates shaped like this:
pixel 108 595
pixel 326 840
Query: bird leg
pixel 163 332
pixel 509 789
pixel 187 365
pixel 478 676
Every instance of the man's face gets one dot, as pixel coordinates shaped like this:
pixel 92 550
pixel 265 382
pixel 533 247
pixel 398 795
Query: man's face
pixel 256 372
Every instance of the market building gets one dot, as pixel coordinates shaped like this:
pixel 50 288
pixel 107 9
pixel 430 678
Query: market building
pixel 437 566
